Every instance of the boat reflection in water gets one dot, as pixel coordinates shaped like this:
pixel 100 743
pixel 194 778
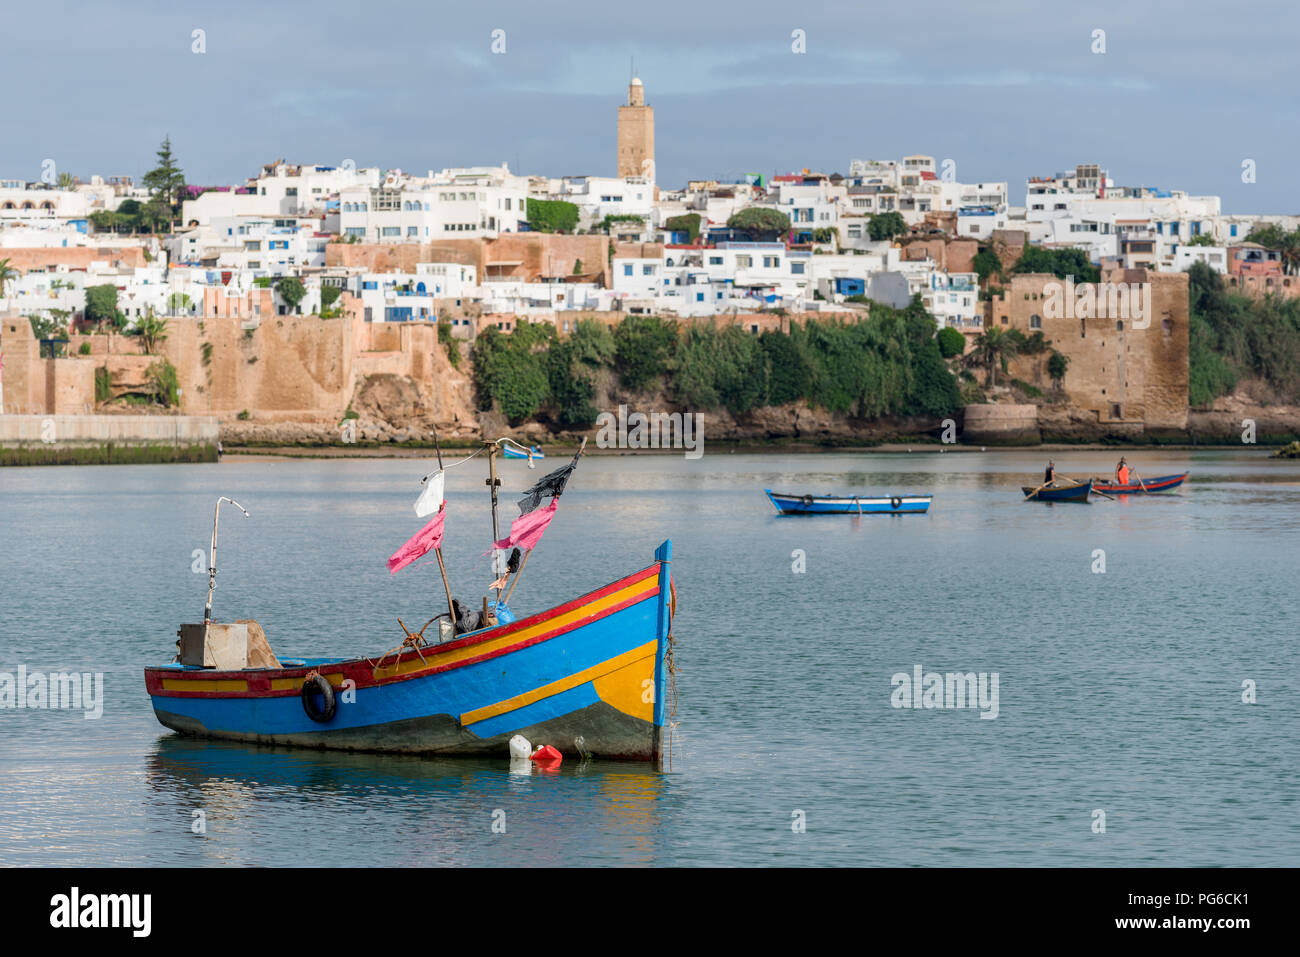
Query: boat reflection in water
pixel 240 800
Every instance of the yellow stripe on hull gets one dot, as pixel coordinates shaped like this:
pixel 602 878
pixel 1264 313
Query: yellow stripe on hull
pixel 619 677
pixel 228 684
pixel 638 590
pixel 287 684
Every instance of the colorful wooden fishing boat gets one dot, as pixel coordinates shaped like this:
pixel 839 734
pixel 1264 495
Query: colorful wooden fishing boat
pixel 787 504
pixel 513 453
pixel 592 670
pixel 1077 492
pixel 1161 483
pixel 589 676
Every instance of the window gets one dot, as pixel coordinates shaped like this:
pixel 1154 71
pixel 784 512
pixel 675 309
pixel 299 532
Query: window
pixel 699 297
pixel 771 262
pixel 392 231
pixel 647 270
pixel 713 261
pixel 627 270
pixel 796 269
pixel 744 262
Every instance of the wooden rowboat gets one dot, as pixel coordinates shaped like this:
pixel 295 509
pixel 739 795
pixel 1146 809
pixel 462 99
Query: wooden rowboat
pixel 1161 483
pixel 1078 492
pixel 589 675
pixel 847 504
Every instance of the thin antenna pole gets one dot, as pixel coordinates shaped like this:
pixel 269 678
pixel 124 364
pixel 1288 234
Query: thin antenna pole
pixel 212 555
pixel 442 567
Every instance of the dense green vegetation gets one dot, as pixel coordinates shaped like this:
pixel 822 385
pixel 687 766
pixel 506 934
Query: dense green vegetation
pixel 1234 336
pixel 761 222
pixel 101 306
pixel 889 364
pixel 1062 263
pixel 884 226
pixel 447 339
pixel 687 222
pixel 291 290
pixel 552 216
pixel 108 454
pixel 951 342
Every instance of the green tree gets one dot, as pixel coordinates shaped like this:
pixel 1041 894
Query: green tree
pixel 765 222
pixel 993 349
pixel 986 264
pixel 572 385
pixel 884 226
pixel 165 181
pixel 1057 365
pixel 789 375
pixel 101 305
pixel 152 330
pixel 643 349
pixel 1204 239
pixel 951 342
pixel 291 290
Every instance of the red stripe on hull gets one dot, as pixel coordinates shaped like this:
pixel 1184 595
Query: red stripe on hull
pixel 361 670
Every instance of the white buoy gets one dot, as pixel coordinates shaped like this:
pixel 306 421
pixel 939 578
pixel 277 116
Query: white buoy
pixel 520 748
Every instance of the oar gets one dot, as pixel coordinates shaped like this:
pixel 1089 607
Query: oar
pixel 1141 484
pixel 1097 491
pixel 1037 490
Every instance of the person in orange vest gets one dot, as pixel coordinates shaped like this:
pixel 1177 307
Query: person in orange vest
pixel 1121 472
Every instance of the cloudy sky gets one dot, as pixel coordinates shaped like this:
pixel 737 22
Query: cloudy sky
pixel 1184 93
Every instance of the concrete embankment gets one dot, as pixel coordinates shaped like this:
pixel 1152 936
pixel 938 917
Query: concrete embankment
pixel 106 439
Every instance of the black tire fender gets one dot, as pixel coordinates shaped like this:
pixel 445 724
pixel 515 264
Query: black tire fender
pixel 317 684
pixel 896 502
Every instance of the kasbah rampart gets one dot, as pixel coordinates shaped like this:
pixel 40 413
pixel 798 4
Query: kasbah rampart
pixel 290 379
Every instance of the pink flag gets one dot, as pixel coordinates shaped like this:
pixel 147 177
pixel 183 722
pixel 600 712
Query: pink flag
pixel 421 543
pixel 526 531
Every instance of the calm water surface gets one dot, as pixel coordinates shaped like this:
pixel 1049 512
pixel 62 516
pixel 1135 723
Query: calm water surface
pixel 1119 692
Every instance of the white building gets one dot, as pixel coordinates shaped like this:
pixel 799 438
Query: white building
pixel 455 204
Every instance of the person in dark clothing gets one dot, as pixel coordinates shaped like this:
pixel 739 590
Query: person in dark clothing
pixel 1049 474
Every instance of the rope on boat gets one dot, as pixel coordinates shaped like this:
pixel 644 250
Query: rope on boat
pixel 479 451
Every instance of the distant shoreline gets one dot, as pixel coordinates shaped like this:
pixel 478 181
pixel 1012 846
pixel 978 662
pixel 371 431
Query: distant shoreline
pixel 557 451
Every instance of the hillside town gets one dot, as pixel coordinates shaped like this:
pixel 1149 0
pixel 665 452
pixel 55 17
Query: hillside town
pixel 108 271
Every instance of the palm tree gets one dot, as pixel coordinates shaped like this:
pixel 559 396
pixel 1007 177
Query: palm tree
pixel 7 275
pixel 992 350
pixel 151 331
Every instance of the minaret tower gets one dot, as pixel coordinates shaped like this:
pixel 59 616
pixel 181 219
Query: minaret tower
pixel 636 134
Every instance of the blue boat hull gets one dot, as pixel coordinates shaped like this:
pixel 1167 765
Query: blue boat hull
pixel 847 504
pixel 1069 493
pixel 592 669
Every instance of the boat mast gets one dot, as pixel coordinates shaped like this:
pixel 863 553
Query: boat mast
pixel 494 483
pixel 451 609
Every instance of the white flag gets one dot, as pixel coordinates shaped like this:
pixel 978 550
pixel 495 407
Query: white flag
pixel 430 499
